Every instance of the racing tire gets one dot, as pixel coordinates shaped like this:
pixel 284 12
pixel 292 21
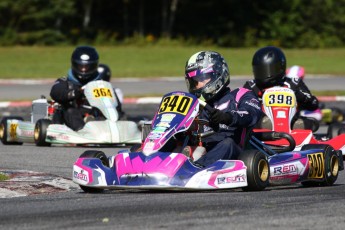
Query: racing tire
pixel 258 170
pixel 105 161
pixel 4 130
pixel 335 129
pixel 331 165
pixel 40 132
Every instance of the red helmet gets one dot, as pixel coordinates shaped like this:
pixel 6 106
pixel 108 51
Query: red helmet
pixel 295 71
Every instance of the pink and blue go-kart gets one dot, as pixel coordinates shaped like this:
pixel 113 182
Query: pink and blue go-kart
pixel 162 162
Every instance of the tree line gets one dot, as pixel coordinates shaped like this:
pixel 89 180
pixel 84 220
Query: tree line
pixel 227 23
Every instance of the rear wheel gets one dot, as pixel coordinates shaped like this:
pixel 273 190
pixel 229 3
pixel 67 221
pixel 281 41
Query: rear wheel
pixel 40 132
pixel 4 130
pixel 331 165
pixel 105 161
pixel 257 170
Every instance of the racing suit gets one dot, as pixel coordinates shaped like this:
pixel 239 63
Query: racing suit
pixel 68 93
pixel 305 100
pixel 228 140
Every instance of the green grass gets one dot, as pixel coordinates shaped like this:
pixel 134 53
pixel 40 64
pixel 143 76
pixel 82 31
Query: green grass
pixel 154 61
pixel 3 177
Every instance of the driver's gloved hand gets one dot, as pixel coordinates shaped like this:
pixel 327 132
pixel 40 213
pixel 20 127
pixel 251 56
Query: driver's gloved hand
pixel 75 93
pixel 219 117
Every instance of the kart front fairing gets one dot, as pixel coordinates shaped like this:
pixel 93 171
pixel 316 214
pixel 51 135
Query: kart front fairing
pixel 160 170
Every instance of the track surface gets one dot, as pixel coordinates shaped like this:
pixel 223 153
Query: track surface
pixel 286 207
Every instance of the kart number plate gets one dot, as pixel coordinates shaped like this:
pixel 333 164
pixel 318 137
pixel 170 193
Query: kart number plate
pixel 286 99
pixel 176 104
pixel 102 92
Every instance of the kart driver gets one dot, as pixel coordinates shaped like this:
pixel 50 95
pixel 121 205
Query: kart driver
pixel 269 69
pixel 207 77
pixel 67 91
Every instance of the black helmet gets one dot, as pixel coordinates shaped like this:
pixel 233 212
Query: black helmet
pixel 206 65
pixel 85 63
pixel 104 72
pixel 269 66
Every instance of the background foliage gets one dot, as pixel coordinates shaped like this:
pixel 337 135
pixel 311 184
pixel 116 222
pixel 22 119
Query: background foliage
pixel 227 23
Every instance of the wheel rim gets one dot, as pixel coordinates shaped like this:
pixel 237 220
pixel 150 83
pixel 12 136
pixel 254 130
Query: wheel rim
pixel 334 165
pixel 263 170
pixel 36 133
pixel 2 131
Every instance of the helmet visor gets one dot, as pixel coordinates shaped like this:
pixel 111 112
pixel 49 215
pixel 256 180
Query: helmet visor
pixel 195 82
pixel 86 68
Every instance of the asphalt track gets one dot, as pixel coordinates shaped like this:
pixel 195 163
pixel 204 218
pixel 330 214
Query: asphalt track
pixel 67 207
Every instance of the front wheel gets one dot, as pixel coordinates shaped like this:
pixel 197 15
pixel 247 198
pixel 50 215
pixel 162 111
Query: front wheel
pixel 258 170
pixel 104 159
pixel 40 132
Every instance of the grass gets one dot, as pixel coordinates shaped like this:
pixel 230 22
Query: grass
pixel 153 61
pixel 3 177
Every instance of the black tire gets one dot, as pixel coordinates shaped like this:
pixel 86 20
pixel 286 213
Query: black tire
pixel 335 129
pixel 105 161
pixel 258 170
pixel 331 165
pixel 40 132
pixel 4 130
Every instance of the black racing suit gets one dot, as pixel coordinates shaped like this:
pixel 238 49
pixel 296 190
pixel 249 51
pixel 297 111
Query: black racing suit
pixel 69 95
pixel 228 141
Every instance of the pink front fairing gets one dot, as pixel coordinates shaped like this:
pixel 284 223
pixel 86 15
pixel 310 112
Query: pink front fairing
pixel 169 166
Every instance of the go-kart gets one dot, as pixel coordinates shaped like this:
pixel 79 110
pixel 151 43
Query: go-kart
pixel 105 127
pixel 280 106
pixel 161 162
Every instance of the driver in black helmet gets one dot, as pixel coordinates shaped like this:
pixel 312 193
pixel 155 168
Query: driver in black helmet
pixel 269 68
pixel 233 112
pixel 67 90
pixel 105 74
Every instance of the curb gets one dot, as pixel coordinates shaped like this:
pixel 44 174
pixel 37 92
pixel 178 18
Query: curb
pixel 26 183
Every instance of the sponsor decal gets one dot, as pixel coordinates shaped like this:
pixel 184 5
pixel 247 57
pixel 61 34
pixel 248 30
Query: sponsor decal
pixel 58 136
pixel 285 169
pixel 253 103
pixel 163 124
pixel 27 133
pixel 231 179
pixel 154 135
pixel 168 117
pixel 159 130
pixel 316 165
pixel 80 175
